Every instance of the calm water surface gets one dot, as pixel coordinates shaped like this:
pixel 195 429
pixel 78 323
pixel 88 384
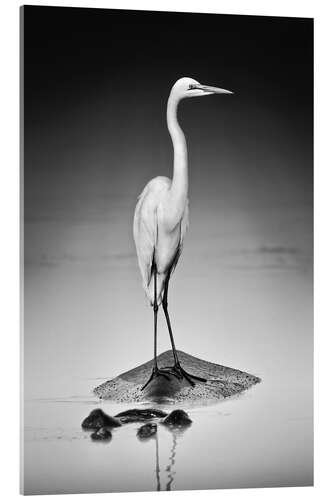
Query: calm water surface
pixel 260 438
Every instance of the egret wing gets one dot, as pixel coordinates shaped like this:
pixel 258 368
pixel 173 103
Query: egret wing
pixel 145 235
pixel 183 228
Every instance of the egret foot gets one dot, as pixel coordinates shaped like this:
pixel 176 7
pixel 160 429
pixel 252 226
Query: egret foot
pixel 156 372
pixel 178 371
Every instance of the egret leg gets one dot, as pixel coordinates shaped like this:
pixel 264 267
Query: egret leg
pixel 155 322
pixel 167 317
pixel 177 369
pixel 155 371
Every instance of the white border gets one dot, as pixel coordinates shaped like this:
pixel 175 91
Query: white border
pixel 9 277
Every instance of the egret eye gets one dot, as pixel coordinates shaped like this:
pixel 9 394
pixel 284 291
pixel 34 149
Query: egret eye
pixel 191 86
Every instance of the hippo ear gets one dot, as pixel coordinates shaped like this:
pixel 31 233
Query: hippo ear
pixel 97 419
pixel 177 418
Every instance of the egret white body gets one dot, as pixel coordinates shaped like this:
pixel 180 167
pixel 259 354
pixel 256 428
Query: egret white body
pixel 158 237
pixel 161 220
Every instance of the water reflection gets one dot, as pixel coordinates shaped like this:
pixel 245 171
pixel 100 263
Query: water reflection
pixel 266 429
pixel 170 469
pixel 157 468
pixel 172 461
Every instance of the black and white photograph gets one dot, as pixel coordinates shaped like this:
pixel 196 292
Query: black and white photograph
pixel 167 236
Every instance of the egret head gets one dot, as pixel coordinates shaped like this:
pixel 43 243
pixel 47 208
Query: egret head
pixel 188 87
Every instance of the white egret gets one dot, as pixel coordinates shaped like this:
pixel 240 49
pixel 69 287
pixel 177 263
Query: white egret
pixel 161 219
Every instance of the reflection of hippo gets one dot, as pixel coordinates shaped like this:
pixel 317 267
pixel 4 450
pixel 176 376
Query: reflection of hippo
pixel 101 434
pixel 147 431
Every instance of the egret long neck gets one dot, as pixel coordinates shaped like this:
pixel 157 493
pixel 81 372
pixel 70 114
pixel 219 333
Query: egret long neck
pixel 179 187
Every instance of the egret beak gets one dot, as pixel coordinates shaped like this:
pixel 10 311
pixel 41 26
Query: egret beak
pixel 211 90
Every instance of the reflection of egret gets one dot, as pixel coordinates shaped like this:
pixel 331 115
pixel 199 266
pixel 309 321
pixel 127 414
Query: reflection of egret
pixel 160 222
pixel 157 468
pixel 172 460
pixel 171 467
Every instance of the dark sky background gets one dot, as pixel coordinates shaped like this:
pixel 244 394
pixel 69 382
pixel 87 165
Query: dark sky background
pixel 96 83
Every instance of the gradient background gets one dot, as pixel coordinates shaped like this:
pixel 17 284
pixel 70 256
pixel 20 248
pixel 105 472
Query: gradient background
pixel 96 85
